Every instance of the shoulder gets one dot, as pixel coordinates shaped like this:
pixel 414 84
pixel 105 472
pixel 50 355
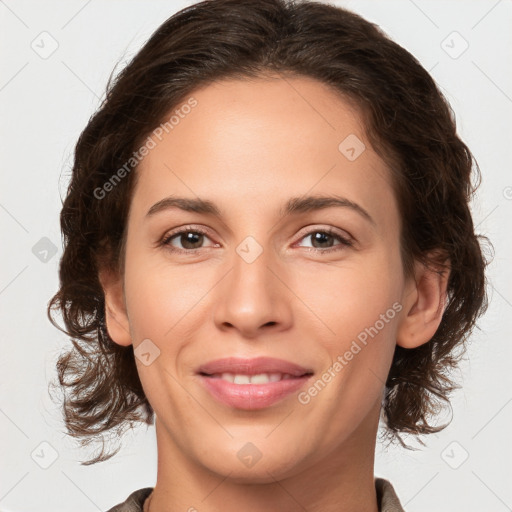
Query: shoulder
pixel 386 496
pixel 134 502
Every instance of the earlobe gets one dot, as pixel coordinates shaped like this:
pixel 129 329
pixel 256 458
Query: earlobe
pixel 424 305
pixel 116 317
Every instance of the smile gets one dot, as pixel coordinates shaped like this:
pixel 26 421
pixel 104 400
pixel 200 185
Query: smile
pixel 260 378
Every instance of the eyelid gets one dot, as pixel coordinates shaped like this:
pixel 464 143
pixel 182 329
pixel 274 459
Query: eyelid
pixel 346 240
pixel 326 229
pixel 185 229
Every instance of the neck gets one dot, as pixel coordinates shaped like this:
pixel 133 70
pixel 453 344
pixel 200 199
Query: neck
pixel 343 481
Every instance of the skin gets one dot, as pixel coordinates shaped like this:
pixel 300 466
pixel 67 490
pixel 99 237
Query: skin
pixel 249 146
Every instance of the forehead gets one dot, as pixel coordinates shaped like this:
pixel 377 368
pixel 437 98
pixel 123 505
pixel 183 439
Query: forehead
pixel 260 140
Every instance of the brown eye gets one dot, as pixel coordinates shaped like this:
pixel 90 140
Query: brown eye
pixel 322 240
pixel 188 240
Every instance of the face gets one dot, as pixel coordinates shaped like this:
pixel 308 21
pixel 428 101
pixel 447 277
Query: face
pixel 271 273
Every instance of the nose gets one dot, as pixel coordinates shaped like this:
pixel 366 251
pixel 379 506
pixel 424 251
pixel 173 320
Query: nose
pixel 253 297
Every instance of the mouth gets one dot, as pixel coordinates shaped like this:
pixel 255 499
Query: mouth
pixel 243 379
pixel 252 383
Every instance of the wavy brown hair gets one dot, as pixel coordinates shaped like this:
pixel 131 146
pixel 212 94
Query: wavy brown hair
pixel 408 122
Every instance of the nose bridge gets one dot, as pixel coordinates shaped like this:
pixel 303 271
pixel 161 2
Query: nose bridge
pixel 250 281
pixel 251 296
pixel 250 266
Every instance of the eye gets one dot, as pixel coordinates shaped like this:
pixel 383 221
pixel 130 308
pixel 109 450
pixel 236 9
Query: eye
pixel 190 239
pixel 322 239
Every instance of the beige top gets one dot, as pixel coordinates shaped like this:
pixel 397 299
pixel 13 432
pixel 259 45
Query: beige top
pixel 386 498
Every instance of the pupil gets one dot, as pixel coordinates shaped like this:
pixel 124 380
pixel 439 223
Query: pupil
pixel 190 240
pixel 317 237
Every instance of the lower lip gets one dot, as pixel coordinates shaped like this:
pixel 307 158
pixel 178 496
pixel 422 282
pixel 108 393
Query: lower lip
pixel 252 396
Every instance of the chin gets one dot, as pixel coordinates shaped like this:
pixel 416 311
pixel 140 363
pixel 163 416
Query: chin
pixel 245 462
pixel 263 472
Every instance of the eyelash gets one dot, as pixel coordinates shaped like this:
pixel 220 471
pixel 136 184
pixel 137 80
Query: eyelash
pixel 344 242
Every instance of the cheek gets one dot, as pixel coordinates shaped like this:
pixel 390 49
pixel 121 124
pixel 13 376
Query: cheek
pixel 148 309
pixel 360 306
pixel 351 296
pixel 159 294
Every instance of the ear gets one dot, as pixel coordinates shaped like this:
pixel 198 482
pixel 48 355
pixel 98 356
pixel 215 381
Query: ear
pixel 424 303
pixel 116 317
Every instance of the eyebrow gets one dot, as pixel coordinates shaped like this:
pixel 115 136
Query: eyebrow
pixel 294 206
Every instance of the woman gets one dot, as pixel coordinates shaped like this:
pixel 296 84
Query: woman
pixel 268 247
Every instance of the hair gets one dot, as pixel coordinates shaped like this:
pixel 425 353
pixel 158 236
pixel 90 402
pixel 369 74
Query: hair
pixel 407 120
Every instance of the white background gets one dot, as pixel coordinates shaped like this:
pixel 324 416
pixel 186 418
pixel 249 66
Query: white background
pixel 44 105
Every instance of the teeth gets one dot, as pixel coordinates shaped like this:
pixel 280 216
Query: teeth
pixel 260 378
pixel 241 379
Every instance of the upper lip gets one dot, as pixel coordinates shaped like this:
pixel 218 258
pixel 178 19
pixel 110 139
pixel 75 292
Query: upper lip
pixel 254 366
